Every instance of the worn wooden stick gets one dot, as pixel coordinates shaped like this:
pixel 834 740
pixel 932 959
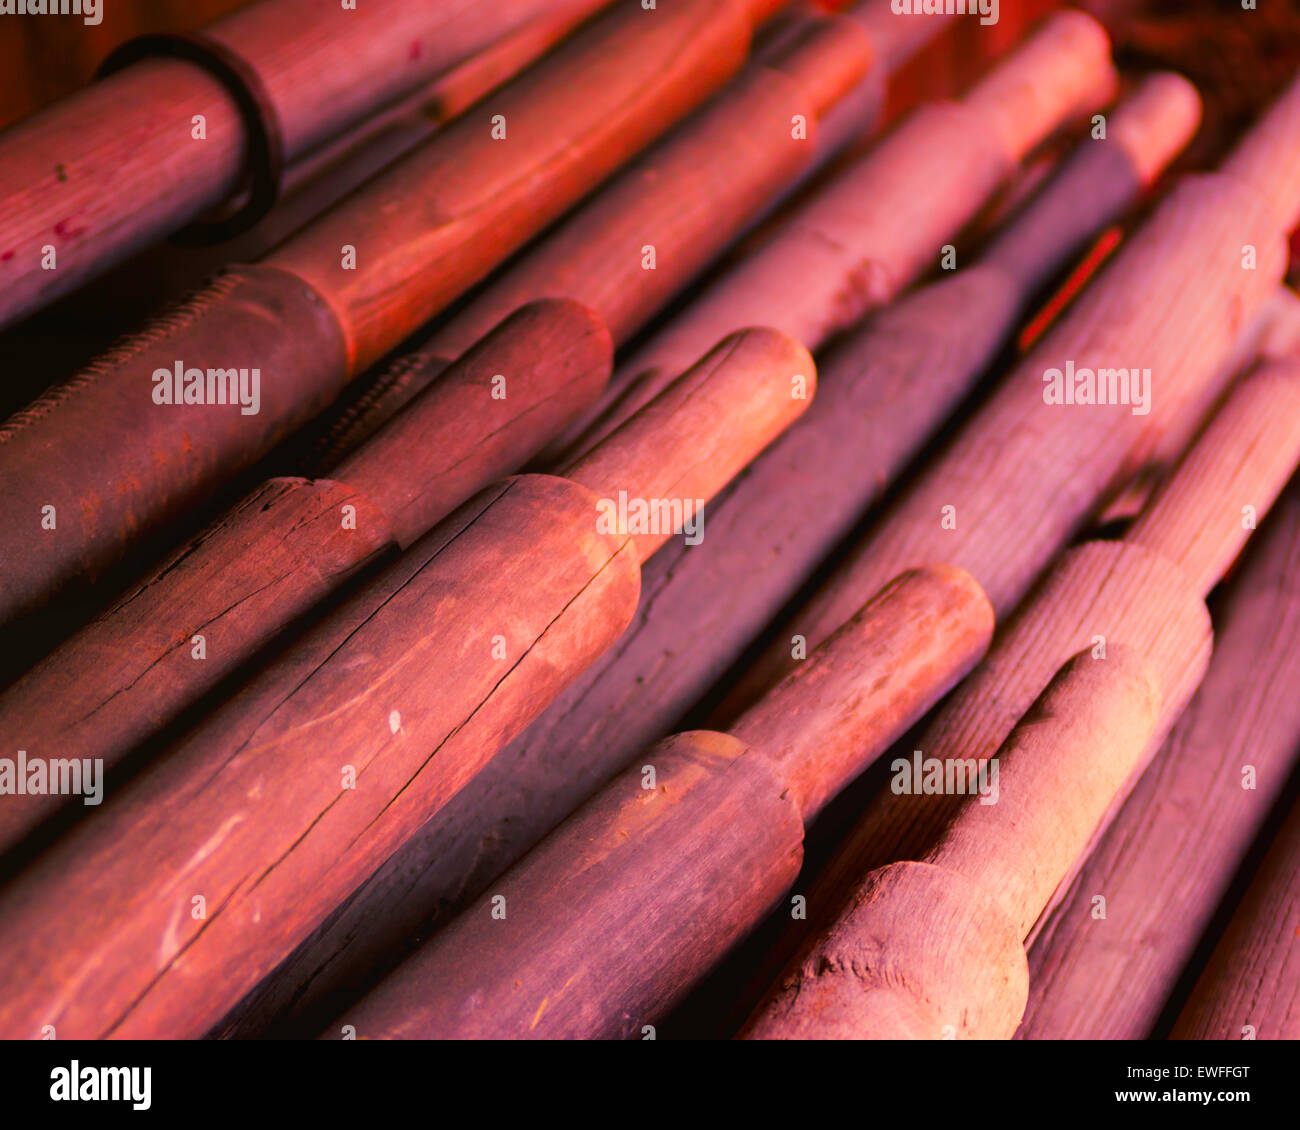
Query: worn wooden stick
pixel 1259 425
pixel 118 165
pixel 633 245
pixel 1251 987
pixel 880 392
pixel 134 668
pixel 616 914
pixel 206 872
pixel 306 321
pixel 855 244
pixel 131 292
pixel 932 948
pixel 1166 310
pixel 210 608
pixel 1194 814
pixel 1120 637
pixel 883 389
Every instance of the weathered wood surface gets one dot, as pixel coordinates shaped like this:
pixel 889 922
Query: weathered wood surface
pixel 1071 761
pixel 683 201
pixel 879 224
pixel 880 392
pixel 893 966
pixel 129 293
pixel 1191 816
pixel 614 916
pixel 211 607
pixel 96 176
pixel 1231 477
pixel 423 232
pixel 273 809
pixel 492 409
pixel 1251 986
pixel 1171 301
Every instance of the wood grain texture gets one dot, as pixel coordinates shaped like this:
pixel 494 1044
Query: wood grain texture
pixel 424 231
pixel 959 969
pixel 1269 158
pixel 633 899
pixel 615 914
pixel 489 412
pixel 1166 863
pixel 1251 985
pixel 1074 759
pixel 114 464
pixel 1172 300
pixel 1058 771
pixel 687 198
pixel 292 543
pixel 1120 593
pixel 880 392
pixel 1273 333
pixel 1232 475
pixel 574 118
pixel 134 669
pixel 705 428
pixel 1101 591
pixel 96 175
pixel 253 811
pixel 327 68
pixel 883 389
pixel 827 720
pixel 856 242
pixel 279 804
pixel 142 283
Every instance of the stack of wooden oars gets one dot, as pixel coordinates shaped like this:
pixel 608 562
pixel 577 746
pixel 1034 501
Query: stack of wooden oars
pixel 511 463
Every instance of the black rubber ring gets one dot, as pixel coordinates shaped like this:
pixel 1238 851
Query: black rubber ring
pixel 265 141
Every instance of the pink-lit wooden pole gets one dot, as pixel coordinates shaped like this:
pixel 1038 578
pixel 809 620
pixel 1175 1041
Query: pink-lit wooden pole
pixel 140 153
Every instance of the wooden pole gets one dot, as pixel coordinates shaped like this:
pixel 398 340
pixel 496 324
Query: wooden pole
pixel 1251 989
pixel 141 284
pixel 133 669
pixel 884 388
pixel 880 392
pixel 1169 303
pixel 209 869
pixel 614 916
pixel 1194 814
pixel 1120 636
pixel 629 249
pixel 211 607
pixel 932 949
pixel 879 224
pixel 121 164
pixel 418 235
